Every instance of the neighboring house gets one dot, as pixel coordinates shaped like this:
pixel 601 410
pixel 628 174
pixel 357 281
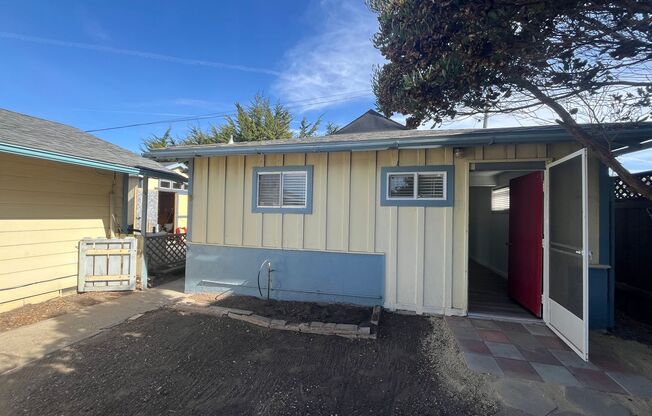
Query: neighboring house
pixel 167 202
pixel 384 217
pixel 370 121
pixel 58 185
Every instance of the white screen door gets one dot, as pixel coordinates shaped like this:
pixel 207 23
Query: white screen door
pixel 566 261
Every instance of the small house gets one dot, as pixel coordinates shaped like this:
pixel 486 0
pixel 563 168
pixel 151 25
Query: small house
pixel 502 221
pixel 58 185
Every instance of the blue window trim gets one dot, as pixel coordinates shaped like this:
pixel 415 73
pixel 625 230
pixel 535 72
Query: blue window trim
pixel 450 186
pixel 285 210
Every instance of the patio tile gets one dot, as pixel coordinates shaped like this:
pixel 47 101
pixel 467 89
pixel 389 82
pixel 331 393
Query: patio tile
pixel 457 321
pixel 633 383
pixel 471 345
pixel 482 364
pixel 597 380
pixel 518 369
pixel 539 329
pixel 523 340
pixel 571 359
pixel 538 355
pixel 504 350
pixel 462 332
pixel 610 363
pixel 552 343
pixel 493 336
pixel 484 324
pixel 512 327
pixel 555 374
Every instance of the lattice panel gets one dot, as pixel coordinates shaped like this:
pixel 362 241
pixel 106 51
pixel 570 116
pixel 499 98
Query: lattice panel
pixel 165 251
pixel 622 191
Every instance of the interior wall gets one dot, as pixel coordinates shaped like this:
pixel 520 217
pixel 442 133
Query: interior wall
pixel 488 231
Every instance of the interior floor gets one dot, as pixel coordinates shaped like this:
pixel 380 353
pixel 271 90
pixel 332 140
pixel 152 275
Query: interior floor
pixel 488 294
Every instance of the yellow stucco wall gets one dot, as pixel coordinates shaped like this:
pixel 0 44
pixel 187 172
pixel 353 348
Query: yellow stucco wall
pixel 425 247
pixel 45 209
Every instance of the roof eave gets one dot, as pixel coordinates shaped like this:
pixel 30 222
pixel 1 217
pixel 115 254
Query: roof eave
pixel 63 158
pixel 365 145
pixel 89 163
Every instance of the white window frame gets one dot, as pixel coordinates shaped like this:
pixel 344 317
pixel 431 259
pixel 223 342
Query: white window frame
pixel 415 193
pixel 282 173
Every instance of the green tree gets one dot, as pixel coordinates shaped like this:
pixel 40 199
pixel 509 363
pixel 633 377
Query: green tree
pixel 157 142
pixel 308 129
pixel 582 60
pixel 258 121
pixel 331 128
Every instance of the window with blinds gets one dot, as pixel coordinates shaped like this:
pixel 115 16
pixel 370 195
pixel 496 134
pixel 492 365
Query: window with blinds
pixel 416 185
pixel 282 189
pixel 500 199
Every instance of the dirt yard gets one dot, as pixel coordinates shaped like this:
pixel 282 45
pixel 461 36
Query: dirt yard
pixel 169 362
pixel 30 314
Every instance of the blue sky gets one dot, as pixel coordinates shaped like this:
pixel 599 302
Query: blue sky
pixel 97 64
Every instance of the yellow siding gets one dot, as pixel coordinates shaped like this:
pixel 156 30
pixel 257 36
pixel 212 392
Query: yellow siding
pixel 46 208
pixel 425 247
pixel 315 225
pixel 337 201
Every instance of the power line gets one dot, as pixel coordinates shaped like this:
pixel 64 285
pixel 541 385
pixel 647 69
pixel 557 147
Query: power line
pixel 292 104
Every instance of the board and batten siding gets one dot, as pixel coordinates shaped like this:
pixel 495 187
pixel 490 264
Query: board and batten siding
pixel 424 247
pixel 46 208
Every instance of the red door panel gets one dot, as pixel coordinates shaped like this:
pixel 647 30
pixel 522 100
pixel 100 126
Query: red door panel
pixel 525 258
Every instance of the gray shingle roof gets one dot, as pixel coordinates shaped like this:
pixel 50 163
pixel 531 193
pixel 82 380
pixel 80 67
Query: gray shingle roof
pixel 371 121
pixel 35 133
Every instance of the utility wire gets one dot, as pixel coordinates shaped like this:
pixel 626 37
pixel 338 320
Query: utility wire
pixel 292 104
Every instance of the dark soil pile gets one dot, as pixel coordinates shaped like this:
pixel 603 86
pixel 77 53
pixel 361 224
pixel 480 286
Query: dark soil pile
pixel 169 362
pixel 297 312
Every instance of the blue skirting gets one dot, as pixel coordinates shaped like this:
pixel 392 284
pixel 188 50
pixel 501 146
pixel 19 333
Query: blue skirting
pixel 317 276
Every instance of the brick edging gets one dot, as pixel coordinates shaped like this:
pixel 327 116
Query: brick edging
pixel 315 327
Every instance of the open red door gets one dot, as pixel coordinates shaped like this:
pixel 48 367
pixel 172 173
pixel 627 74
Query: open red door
pixel 525 261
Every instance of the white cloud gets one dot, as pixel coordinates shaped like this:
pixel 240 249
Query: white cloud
pixel 337 61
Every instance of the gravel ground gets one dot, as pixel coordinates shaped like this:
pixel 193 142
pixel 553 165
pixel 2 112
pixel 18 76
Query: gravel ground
pixel 170 362
pixel 30 314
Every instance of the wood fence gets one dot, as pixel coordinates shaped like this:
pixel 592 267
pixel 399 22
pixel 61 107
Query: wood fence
pixel 633 250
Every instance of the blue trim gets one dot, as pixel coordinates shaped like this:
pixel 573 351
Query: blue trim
pixel 450 186
pixel 254 189
pixel 302 275
pixel 58 157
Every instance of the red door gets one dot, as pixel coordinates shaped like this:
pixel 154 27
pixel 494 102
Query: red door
pixel 525 261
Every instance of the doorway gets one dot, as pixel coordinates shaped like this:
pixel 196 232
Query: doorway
pixel 166 205
pixel 505 267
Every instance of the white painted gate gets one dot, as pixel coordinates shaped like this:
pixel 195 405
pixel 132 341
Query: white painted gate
pixel 107 264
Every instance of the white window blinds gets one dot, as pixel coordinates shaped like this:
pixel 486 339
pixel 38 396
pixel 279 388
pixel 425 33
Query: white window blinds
pixel 294 189
pixel 282 189
pixel 500 199
pixel 431 185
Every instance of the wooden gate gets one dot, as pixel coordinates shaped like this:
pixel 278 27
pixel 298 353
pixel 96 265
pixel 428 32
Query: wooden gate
pixel 107 264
